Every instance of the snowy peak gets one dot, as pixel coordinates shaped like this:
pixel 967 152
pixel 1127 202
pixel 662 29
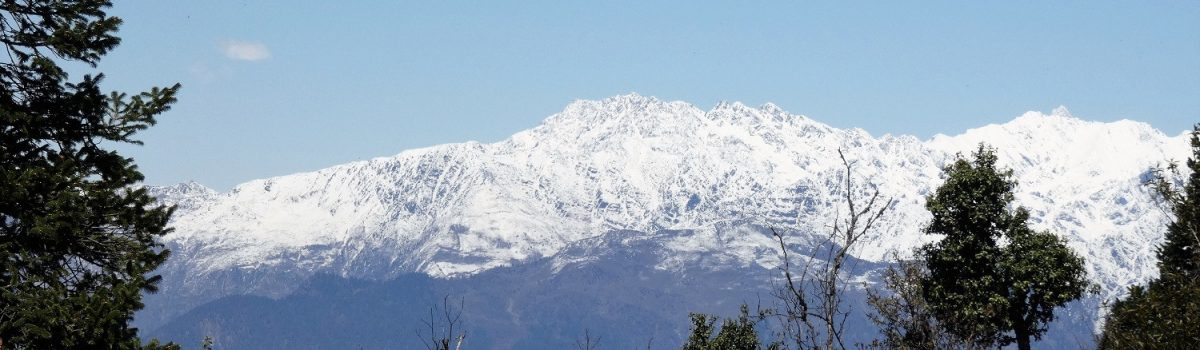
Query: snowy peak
pixel 186 196
pixel 182 190
pixel 648 116
pixel 1072 148
pixel 633 163
pixel 1061 111
pixel 632 121
pixel 1057 124
pixel 622 107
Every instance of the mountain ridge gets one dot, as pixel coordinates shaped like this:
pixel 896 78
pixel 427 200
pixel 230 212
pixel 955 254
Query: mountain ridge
pixel 632 163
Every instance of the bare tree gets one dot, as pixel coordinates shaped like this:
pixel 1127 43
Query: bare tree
pixel 442 330
pixel 587 342
pixel 811 308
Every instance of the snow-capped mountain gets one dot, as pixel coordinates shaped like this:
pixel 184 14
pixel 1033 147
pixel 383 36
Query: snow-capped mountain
pixel 712 179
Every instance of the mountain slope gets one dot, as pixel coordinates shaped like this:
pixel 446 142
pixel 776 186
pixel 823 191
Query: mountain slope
pixel 714 179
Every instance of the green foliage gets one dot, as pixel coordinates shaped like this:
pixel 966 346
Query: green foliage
pixel 154 344
pixel 1178 258
pixel 904 319
pixel 736 334
pixel 77 235
pixel 1159 317
pixel 1165 314
pixel 991 274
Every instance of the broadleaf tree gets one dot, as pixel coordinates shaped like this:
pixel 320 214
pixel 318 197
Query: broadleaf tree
pixel 991 278
pixel 78 235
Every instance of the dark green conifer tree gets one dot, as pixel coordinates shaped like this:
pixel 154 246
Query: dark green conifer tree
pixel 1165 314
pixel 992 279
pixel 1178 258
pixel 78 237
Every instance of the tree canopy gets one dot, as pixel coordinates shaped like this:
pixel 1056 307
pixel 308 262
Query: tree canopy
pixel 992 278
pixel 78 235
pixel 735 334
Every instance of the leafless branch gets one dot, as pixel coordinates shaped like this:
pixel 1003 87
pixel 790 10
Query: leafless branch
pixel 442 332
pixel 812 312
pixel 587 343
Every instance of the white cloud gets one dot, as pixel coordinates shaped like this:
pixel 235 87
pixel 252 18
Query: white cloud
pixel 245 51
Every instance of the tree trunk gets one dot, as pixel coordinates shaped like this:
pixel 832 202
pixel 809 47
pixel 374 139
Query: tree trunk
pixel 1022 330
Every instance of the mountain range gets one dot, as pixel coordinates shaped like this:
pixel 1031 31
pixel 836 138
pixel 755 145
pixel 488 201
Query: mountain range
pixel 670 206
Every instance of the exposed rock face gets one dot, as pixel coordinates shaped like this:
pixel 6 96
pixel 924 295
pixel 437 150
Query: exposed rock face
pixel 702 184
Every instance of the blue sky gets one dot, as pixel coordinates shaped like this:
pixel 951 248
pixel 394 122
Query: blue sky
pixel 277 87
